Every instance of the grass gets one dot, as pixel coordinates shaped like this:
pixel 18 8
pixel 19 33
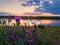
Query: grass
pixel 47 36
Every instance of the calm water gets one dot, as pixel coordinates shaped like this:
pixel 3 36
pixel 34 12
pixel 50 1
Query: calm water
pixel 37 22
pixel 46 22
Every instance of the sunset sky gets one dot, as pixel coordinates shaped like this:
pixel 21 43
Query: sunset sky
pixel 50 7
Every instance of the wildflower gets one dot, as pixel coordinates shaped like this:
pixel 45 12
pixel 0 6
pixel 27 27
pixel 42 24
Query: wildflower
pixel 27 31
pixel 17 18
pixel 11 37
pixel 48 25
pixel 17 36
pixel 31 40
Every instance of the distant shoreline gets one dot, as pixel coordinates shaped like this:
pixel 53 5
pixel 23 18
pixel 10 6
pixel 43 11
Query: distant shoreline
pixel 37 17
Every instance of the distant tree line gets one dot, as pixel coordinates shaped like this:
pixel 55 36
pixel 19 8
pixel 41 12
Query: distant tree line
pixel 37 17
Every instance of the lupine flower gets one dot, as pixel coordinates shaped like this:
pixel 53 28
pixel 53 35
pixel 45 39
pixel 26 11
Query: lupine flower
pixel 27 31
pixel 17 36
pixel 31 40
pixel 11 37
pixel 17 18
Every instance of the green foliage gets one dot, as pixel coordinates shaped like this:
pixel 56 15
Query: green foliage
pixel 41 26
pixel 48 36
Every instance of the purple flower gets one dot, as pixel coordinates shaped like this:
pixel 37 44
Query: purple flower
pixel 11 37
pixel 48 25
pixel 27 31
pixel 17 36
pixel 40 33
pixel 31 40
pixel 9 17
pixel 17 18
pixel 14 29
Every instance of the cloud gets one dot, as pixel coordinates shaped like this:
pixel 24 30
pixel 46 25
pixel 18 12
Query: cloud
pixel 53 8
pixel 49 6
pixel 32 2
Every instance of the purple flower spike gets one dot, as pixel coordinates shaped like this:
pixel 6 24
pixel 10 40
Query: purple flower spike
pixel 17 36
pixel 11 37
pixel 27 31
pixel 31 40
pixel 17 18
pixel 48 25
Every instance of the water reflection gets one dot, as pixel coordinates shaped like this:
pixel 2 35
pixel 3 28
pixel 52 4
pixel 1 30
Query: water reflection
pixel 37 22
pixel 45 21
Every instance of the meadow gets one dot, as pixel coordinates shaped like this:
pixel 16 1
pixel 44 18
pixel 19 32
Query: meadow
pixel 29 35
pixel 16 35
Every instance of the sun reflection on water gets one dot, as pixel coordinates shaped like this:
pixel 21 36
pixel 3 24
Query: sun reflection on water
pixel 33 22
pixel 46 21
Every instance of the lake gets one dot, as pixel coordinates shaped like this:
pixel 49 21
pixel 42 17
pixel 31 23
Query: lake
pixel 46 22
pixel 37 22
